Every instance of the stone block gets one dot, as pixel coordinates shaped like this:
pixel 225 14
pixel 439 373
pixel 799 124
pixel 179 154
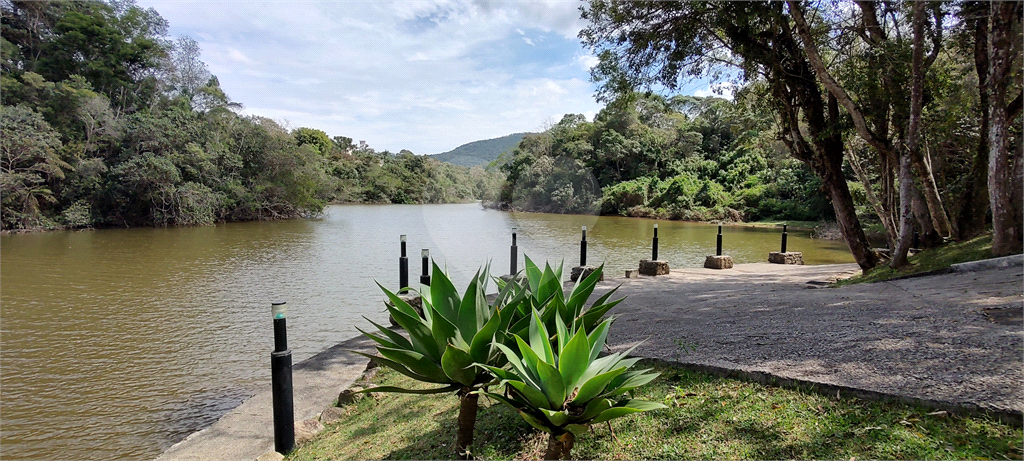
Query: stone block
pixel 789 257
pixel 332 414
pixel 413 299
pixel 718 262
pixel 633 274
pixel 349 396
pixel 307 429
pixel 648 267
pixel 583 271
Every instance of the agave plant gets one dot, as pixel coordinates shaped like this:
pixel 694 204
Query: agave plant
pixel 547 297
pixel 444 345
pixel 562 389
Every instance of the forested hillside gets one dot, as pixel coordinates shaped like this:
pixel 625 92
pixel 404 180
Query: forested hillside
pixel 108 121
pixel 679 158
pixel 480 153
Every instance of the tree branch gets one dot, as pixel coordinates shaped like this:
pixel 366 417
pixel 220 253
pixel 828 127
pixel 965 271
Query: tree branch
pixel 830 83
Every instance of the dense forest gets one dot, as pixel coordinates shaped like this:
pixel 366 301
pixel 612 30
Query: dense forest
pixel 684 157
pixel 906 112
pixel 108 121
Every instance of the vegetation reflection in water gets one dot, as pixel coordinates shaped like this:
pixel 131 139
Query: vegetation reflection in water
pixel 118 343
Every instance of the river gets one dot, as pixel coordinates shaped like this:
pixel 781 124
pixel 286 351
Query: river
pixel 117 343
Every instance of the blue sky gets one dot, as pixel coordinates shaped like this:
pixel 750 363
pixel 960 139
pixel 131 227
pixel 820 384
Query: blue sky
pixel 424 75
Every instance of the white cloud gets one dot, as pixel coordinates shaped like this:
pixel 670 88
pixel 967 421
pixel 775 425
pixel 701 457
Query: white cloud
pixel 413 74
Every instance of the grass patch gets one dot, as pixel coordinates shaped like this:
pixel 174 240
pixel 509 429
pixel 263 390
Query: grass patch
pixel 930 260
pixel 708 418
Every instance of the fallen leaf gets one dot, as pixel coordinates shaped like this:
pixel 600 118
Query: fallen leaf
pixel 940 413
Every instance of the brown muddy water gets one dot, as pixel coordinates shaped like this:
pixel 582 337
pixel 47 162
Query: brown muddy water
pixel 115 344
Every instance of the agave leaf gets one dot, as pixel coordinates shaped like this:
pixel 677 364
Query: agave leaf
pixel 518 365
pixel 399 368
pixel 398 303
pixel 501 398
pixel 557 418
pixel 501 373
pixel 473 311
pixel 440 390
pixel 419 333
pixel 417 363
pixel 630 380
pixel 562 333
pixel 396 338
pixel 596 314
pixel 594 408
pixel 534 421
pixel 574 360
pixel 632 406
pixel 444 296
pixel 441 330
pixel 576 429
pixel 530 359
pixel 549 286
pixel 380 339
pixel 539 339
pixel 533 274
pixel 552 384
pixel 481 343
pixel 532 395
pixel 458 365
pixel 597 338
pixel 595 386
pixel 582 290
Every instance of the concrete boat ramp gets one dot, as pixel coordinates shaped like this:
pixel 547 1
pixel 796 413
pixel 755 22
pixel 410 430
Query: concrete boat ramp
pixel 953 342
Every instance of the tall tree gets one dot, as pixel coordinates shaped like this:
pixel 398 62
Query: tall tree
pixel 647 43
pixel 1004 165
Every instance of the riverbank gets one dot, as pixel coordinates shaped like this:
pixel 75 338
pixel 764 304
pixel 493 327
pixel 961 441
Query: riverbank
pixel 948 342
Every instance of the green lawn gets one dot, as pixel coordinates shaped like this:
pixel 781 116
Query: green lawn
pixel 708 418
pixel 931 260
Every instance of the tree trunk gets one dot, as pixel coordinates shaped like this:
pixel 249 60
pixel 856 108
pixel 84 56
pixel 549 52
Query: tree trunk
pixel 560 446
pixel 1007 218
pixel 467 421
pixel 883 214
pixel 906 237
pixel 973 201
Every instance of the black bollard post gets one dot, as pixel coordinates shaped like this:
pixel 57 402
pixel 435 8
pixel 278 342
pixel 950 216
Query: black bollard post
pixel 784 236
pixel 514 256
pixel 583 248
pixel 654 245
pixel 425 278
pixel 718 247
pixel 403 269
pixel 917 240
pixel 281 383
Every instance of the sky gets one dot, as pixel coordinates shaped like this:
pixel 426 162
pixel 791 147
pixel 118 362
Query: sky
pixel 421 75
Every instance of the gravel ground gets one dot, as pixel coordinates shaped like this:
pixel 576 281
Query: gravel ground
pixel 929 339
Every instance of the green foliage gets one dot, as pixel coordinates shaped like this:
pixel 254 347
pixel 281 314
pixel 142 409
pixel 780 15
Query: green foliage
pixel 453 333
pixel 109 122
pixel 561 386
pixel 682 158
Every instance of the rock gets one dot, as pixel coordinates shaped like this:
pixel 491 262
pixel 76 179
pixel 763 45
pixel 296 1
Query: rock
pixel 331 414
pixel 648 267
pixel 789 257
pixel 718 262
pixel 583 271
pixel 349 396
pixel 632 273
pixel 413 299
pixel 271 456
pixel 307 429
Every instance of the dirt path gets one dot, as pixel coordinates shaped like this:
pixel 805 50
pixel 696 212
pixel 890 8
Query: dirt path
pixel 927 339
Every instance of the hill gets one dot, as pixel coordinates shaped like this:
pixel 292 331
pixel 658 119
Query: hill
pixel 480 152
